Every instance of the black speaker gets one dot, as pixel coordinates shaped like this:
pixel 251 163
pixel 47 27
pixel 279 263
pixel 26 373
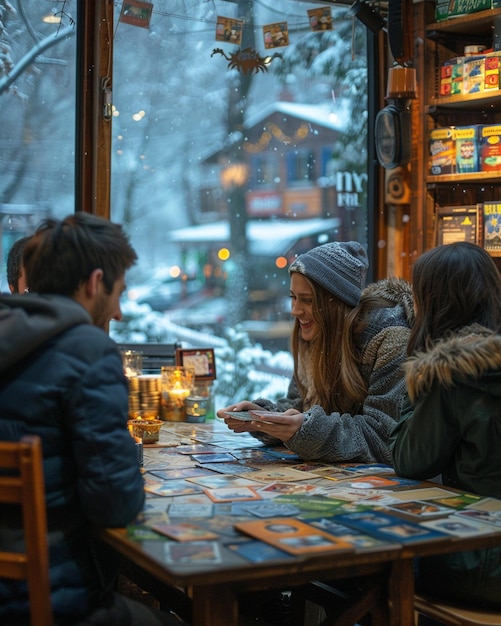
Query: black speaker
pixel 397 190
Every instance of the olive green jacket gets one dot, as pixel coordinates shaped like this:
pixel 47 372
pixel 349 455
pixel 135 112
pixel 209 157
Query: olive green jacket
pixel 451 425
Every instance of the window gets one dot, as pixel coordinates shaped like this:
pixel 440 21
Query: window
pixel 265 171
pixel 205 154
pixel 301 167
pixel 37 104
pixel 223 163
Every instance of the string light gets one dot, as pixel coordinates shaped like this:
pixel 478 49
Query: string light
pixel 272 130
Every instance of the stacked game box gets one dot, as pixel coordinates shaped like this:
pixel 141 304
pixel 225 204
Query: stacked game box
pixel 473 74
pixel 470 74
pixel 492 68
pixel 451 77
pixel 462 7
pixel 489 147
pixel 442 151
pixel 466 149
pixel 492 227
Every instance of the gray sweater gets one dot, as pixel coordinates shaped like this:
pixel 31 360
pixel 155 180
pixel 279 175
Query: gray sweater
pixel 364 437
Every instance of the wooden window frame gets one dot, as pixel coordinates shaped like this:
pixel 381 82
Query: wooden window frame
pixel 92 127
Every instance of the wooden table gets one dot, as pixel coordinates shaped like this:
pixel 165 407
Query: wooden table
pixel 214 588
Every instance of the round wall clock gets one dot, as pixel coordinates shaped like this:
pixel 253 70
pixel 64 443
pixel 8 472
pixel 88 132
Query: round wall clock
pixel 392 136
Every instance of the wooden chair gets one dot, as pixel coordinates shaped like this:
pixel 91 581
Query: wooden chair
pixel 22 482
pixel 452 615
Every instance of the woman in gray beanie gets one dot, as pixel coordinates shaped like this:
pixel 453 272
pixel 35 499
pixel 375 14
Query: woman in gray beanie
pixel 348 345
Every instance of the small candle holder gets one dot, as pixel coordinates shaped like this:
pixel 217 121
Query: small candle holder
pixel 203 389
pixel 177 384
pixel 148 431
pixel 132 362
pixel 196 409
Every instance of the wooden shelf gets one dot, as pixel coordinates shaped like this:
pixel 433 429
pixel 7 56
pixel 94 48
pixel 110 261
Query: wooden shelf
pixel 475 177
pixel 445 40
pixel 470 24
pixel 491 99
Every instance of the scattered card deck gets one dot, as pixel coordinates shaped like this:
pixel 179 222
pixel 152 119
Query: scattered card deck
pixel 292 535
pixel 184 531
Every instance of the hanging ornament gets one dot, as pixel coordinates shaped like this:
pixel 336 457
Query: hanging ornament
pixel 229 30
pixel 320 19
pixel 247 60
pixel 276 35
pixel 136 13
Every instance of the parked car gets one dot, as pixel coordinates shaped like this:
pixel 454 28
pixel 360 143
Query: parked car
pixel 207 314
pixel 162 291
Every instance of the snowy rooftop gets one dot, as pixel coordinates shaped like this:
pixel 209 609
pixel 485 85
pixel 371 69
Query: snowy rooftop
pixel 260 233
pixel 330 115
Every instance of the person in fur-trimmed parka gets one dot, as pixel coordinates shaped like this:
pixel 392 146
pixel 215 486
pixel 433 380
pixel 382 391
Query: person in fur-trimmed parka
pixel 451 422
pixel 348 345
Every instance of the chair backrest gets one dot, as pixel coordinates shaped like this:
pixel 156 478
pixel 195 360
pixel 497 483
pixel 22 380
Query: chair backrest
pixel 452 615
pixel 22 483
pixel 154 354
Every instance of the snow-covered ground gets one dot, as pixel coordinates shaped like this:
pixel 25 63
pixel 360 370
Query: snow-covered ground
pixel 244 369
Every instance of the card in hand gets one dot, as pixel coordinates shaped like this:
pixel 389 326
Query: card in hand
pixel 243 416
pixel 263 415
pixel 248 416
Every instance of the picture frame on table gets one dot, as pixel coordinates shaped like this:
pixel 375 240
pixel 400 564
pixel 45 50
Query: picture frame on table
pixel 201 359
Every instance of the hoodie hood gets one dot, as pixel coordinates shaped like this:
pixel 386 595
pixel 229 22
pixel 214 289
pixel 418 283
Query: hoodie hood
pixel 396 290
pixel 28 321
pixel 472 357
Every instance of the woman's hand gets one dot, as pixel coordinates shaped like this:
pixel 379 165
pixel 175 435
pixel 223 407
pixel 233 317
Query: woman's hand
pixel 279 425
pixel 238 426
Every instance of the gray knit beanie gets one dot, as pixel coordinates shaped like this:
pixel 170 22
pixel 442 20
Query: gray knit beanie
pixel 338 267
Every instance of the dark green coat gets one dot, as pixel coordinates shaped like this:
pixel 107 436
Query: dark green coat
pixel 451 425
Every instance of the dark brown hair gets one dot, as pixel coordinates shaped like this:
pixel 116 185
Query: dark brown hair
pixel 15 263
pixel 454 285
pixel 62 254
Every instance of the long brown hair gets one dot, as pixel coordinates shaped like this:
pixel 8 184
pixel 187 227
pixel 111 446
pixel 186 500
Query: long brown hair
pixel 339 386
pixel 454 285
pixel 334 356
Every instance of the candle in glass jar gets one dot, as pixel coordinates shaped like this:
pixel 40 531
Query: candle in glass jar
pixel 178 395
pixel 177 383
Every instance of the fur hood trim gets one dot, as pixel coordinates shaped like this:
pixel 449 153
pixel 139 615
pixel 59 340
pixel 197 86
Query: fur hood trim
pixel 396 290
pixel 467 356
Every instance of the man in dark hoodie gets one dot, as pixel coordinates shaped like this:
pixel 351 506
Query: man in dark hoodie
pixel 61 377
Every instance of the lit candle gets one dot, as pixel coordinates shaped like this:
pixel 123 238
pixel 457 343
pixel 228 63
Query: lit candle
pixel 178 395
pixel 176 387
